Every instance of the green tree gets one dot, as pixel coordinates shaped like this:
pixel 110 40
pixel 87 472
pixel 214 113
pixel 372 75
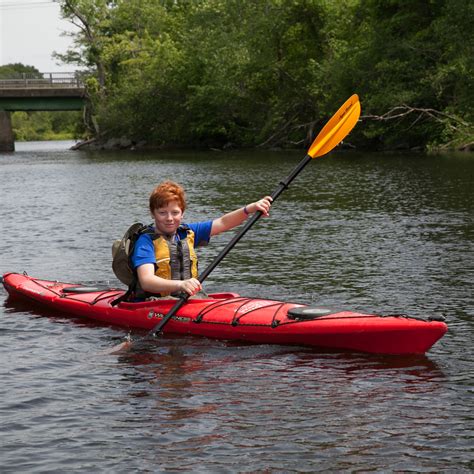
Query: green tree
pixel 212 72
pixel 405 63
pixel 208 71
pixel 18 71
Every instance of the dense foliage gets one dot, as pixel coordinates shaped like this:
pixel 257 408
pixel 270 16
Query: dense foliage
pixel 29 126
pixel 266 73
pixel 18 70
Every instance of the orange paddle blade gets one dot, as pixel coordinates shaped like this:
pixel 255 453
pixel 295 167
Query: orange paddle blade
pixel 337 128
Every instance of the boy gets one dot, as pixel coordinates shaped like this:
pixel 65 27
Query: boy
pixel 165 258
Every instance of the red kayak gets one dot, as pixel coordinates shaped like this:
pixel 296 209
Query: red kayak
pixel 232 317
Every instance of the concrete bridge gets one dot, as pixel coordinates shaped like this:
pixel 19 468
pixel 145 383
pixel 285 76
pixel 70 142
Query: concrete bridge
pixel 37 92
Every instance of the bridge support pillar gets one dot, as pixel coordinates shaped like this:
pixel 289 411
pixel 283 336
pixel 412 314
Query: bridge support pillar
pixel 7 142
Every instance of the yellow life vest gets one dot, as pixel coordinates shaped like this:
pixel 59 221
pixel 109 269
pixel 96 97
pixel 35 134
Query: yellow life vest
pixel 176 258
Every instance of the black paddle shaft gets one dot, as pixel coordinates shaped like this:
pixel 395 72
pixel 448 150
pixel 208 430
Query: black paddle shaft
pixel 231 244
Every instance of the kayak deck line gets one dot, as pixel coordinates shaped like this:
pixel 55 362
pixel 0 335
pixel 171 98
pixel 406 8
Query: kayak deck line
pixel 105 293
pixel 230 316
pixel 66 290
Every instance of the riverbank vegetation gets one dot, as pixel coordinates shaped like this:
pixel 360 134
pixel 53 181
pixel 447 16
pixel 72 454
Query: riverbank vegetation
pixel 220 73
pixel 29 126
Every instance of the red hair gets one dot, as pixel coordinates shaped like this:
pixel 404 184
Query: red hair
pixel 166 192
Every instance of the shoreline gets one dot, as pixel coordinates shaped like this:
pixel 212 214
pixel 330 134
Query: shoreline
pixel 123 143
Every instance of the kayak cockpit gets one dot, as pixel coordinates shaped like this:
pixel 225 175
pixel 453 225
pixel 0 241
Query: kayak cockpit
pixel 213 297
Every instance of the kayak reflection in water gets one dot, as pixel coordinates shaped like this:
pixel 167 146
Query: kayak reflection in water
pixel 164 257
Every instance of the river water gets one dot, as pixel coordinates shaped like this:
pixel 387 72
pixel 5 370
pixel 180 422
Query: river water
pixel 386 233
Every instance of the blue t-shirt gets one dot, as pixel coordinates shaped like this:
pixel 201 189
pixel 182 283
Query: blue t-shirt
pixel 144 251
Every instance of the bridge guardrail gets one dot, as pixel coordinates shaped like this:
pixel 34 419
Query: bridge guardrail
pixel 42 80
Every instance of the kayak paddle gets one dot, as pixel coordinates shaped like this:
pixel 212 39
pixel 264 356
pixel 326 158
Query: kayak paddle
pixel 335 130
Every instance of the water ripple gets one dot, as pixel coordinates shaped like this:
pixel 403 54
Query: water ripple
pixel 382 233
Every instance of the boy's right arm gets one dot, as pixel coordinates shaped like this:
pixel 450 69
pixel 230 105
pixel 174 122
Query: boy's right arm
pixel 154 284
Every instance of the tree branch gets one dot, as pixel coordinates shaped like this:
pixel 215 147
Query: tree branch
pixel 404 110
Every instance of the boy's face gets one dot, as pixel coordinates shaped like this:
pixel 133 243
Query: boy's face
pixel 168 218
